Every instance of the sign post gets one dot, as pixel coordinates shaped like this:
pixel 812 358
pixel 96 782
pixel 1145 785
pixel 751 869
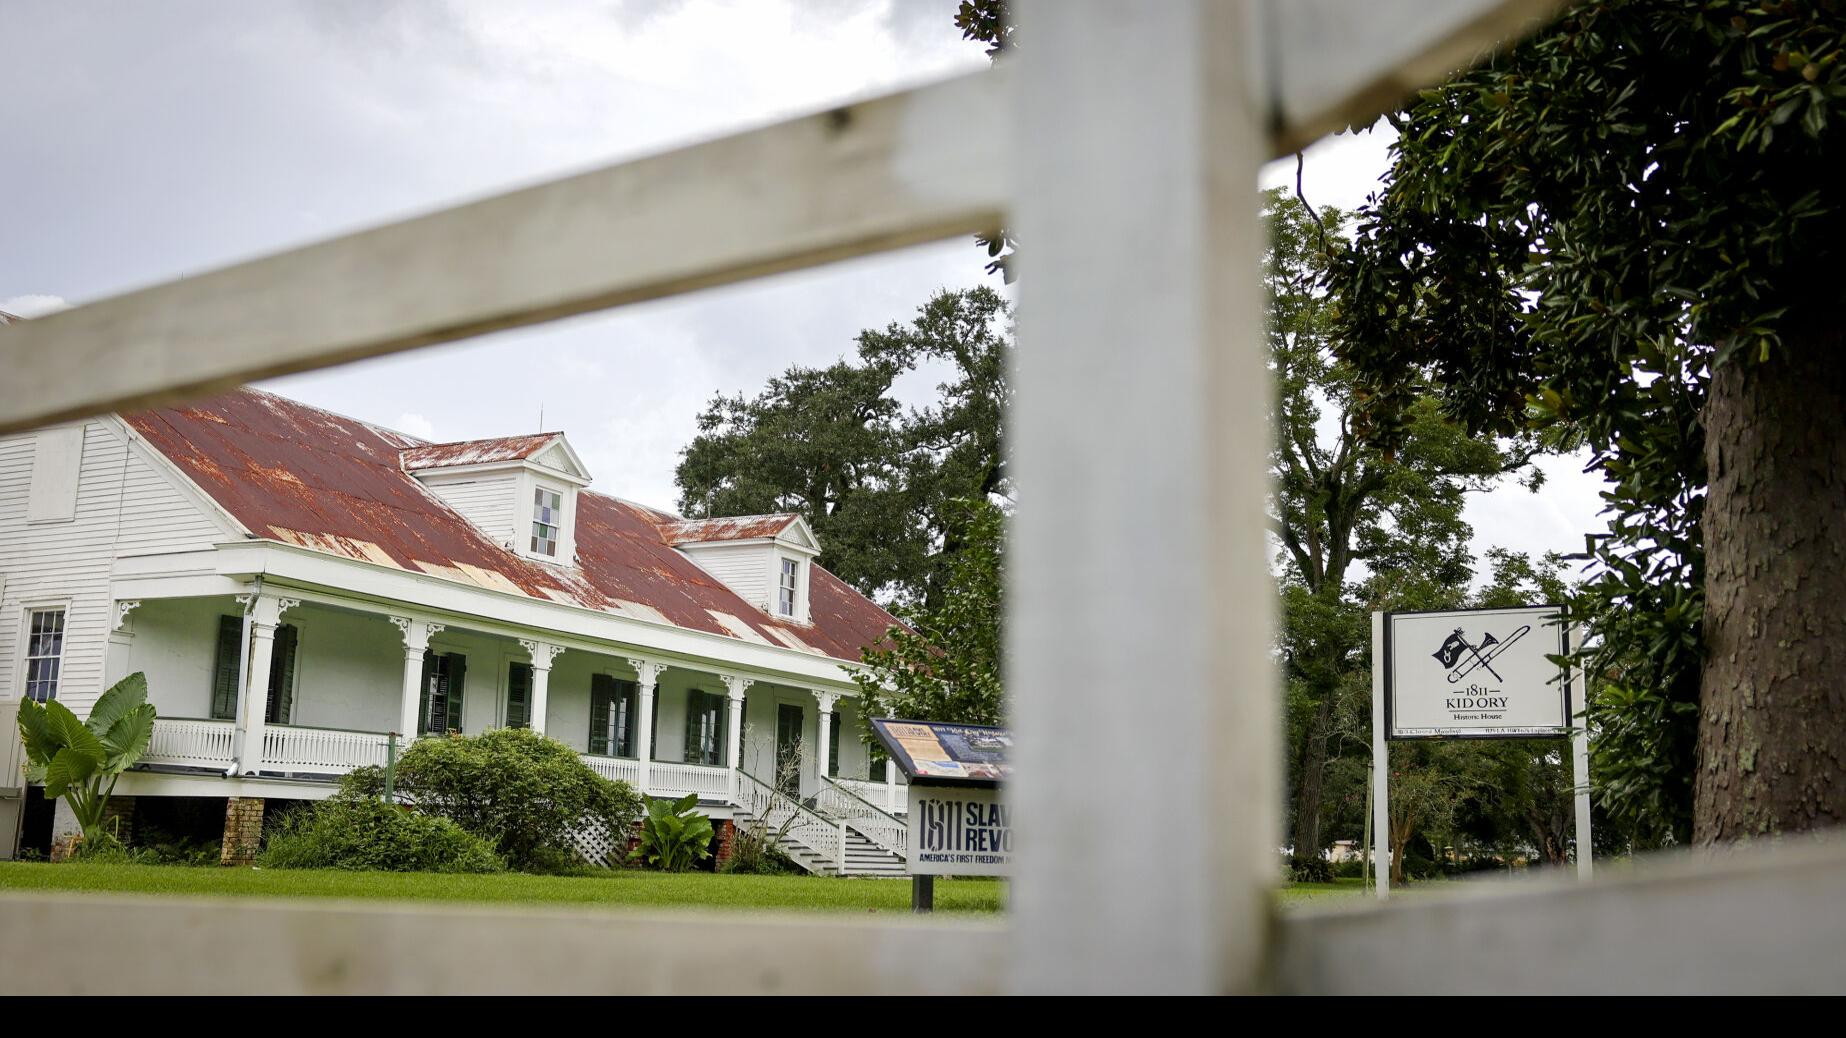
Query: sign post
pixel 1471 674
pixel 957 823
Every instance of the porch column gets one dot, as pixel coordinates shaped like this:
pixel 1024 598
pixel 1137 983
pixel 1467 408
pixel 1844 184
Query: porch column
pixel 416 643
pixel 890 786
pixel 542 653
pixel 824 739
pixel 647 678
pixel 733 731
pixel 265 616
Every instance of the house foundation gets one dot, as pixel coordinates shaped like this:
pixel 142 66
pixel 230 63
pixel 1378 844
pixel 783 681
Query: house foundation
pixel 243 830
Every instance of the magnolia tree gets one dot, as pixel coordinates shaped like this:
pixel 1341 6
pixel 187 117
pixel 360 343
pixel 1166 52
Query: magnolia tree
pixel 81 760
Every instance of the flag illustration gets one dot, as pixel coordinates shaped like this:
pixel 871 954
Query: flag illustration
pixel 1452 648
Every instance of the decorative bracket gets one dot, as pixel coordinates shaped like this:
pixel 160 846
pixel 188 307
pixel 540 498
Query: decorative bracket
pixel 416 633
pixel 648 671
pixel 542 653
pixel 122 608
pixel 827 700
pixel 736 683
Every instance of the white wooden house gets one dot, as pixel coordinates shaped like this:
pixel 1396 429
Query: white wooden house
pixel 296 584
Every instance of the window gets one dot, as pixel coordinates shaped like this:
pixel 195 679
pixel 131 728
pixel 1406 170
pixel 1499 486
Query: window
pixel 705 728
pixel 44 653
pixel 785 601
pixel 229 662
pixel 518 695
pixel 547 520
pixel 444 675
pixel 612 716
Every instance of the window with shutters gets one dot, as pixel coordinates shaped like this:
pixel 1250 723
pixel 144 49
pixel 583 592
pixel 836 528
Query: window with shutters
pixel 791 577
pixel 518 695
pixel 704 728
pixel 612 716
pixel 444 677
pixel 228 661
pixel 44 653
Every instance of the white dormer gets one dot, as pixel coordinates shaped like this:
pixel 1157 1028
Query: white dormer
pixel 766 559
pixel 521 491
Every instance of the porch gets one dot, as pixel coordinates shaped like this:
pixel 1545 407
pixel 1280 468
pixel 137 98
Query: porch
pixel 270 687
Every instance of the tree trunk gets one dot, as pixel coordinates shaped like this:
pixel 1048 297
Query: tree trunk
pixel 1313 771
pixel 1772 702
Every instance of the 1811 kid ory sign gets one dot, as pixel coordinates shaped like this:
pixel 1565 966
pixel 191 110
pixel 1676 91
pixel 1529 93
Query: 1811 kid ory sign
pixel 1479 673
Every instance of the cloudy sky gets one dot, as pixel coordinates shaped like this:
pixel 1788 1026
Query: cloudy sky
pixel 145 142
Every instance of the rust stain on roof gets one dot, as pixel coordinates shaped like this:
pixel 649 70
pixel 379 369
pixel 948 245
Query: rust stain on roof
pixel 297 474
pixel 476 452
pixel 730 528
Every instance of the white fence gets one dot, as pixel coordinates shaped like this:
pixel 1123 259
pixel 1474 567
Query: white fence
pixel 188 742
pixel 676 780
pixel 1123 146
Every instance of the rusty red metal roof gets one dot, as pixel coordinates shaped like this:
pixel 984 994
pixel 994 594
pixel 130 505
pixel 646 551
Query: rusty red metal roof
pixel 476 452
pixel 729 528
pixel 300 475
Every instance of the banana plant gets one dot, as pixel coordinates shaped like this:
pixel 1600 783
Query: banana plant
pixel 81 760
pixel 674 837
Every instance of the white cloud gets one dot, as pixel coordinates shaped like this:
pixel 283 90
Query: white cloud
pixel 33 305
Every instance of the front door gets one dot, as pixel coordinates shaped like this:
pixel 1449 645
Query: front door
pixel 788 749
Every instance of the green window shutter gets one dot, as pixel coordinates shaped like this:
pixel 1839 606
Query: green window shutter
pixel 833 745
pixel 424 720
pixel 225 667
pixel 458 681
pixel 518 694
pixel 282 676
pixel 601 695
pixel 694 752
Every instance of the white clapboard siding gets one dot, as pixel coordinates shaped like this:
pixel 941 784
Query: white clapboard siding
pixel 125 506
pixel 744 568
pixel 489 502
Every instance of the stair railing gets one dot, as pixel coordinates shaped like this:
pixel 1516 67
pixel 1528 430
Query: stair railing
pixel 875 824
pixel 823 837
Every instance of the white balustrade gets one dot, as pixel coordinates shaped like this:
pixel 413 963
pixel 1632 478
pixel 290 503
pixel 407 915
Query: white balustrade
pixel 835 800
pixel 676 780
pixel 327 751
pixel 621 769
pixel 784 815
pixel 189 742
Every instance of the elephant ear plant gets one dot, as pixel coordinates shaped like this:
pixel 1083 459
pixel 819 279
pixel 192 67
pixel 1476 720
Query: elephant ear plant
pixel 80 761
pixel 674 837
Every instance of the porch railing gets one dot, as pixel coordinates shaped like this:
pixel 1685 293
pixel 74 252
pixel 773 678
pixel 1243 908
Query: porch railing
pixel 837 801
pixel 621 769
pixel 191 742
pixel 323 751
pixel 888 798
pixel 670 779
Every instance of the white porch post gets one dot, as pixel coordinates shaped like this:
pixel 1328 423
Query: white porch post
pixel 733 731
pixel 264 619
pixel 827 702
pixel 647 678
pixel 542 654
pixel 890 786
pixel 1141 135
pixel 416 642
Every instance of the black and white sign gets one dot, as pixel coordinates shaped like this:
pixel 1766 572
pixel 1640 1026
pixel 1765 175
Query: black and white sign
pixel 959 831
pixel 1477 673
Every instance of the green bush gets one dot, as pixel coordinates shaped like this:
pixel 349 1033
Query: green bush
pixel 1351 868
pixel 1310 868
pixel 360 834
pixel 521 792
pixel 674 837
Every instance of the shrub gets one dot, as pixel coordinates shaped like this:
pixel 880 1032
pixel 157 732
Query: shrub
pixel 674 837
pixel 521 792
pixel 754 852
pixel 360 834
pixel 1310 868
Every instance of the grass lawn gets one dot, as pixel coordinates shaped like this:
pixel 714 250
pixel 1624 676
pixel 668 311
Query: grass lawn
pixel 615 889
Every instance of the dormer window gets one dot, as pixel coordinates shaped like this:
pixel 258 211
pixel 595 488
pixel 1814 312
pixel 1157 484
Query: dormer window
pixel 547 521
pixel 786 597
